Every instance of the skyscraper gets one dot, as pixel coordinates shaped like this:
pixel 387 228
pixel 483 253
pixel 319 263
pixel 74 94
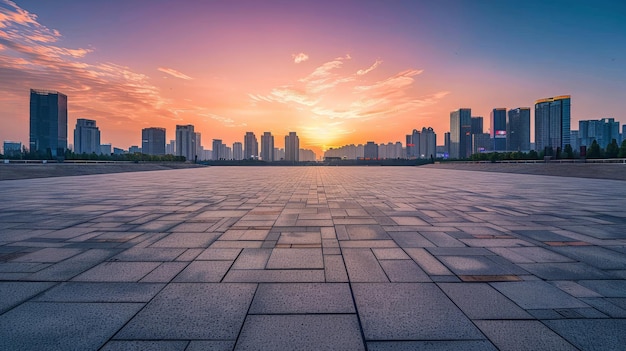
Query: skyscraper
pixel 48 122
pixel 603 131
pixel 477 125
pixel 237 151
pixel 86 137
pixel 250 146
pixel 552 123
pixel 199 148
pixel 428 143
pixel 370 151
pixel 416 142
pixel 186 142
pixel 267 147
pixel 153 141
pixel 292 147
pixel 218 150
pixel 518 129
pixel 498 128
pixel 461 133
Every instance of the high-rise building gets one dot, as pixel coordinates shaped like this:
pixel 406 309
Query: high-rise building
pixel 48 122
pixel 518 129
pixel 218 150
pixel 446 144
pixel 105 149
pixel 170 148
pixel 603 131
pixel 250 146
pixel 574 140
pixel 134 149
pixel 267 147
pixel 623 133
pixel 415 144
pixel 86 137
pixel 153 141
pixel 461 133
pixel 292 147
pixel 237 151
pixel 552 123
pixel 279 154
pixel 498 128
pixel 370 151
pixel 481 143
pixel 477 125
pixel 409 145
pixel 186 142
pixel 428 143
pixel 199 148
pixel 306 155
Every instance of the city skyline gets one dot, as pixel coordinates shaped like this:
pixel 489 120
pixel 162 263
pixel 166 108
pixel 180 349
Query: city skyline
pixel 363 71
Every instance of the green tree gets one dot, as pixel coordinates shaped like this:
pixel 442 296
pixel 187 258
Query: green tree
pixel 533 155
pixel 612 150
pixel 594 150
pixel 622 149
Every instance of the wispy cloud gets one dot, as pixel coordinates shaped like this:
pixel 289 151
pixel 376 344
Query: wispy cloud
pixel 174 73
pixel 363 72
pixel 301 57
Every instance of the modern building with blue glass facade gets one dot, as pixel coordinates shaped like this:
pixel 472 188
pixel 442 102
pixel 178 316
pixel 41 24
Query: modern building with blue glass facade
pixel 498 129
pixel 518 129
pixel 552 123
pixel 461 133
pixel 48 122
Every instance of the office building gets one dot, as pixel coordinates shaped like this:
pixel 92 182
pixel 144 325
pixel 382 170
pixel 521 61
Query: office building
pixel 86 137
pixel 574 140
pixel 279 154
pixel 199 148
pixel 134 149
pixel 170 148
pixel 477 125
pixel 12 149
pixel 218 150
pixel 603 131
pixel 250 146
pixel 518 129
pixel 498 128
pixel 428 143
pixel 446 144
pixel 482 143
pixel 186 142
pixel 292 147
pixel 237 151
pixel 105 149
pixel 153 141
pixel 48 122
pixel 267 147
pixel 370 151
pixel 461 133
pixel 552 123
pixel 413 148
pixel 306 155
pixel 409 145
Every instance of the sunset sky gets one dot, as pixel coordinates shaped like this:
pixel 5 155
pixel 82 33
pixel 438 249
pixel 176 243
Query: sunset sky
pixel 336 72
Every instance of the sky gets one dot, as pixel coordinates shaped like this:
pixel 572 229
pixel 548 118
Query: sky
pixel 336 72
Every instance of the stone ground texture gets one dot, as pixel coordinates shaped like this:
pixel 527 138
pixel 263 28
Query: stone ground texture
pixel 319 258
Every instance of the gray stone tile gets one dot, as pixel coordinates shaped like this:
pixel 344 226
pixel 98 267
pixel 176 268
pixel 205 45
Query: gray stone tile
pixel 252 259
pixel 410 239
pixel 164 273
pixel 187 240
pixel 219 254
pixel 362 266
pixel 429 263
pixel 211 345
pixel 403 271
pixel 300 238
pixel 203 272
pixel 302 298
pixel 117 272
pixel 291 258
pixel 390 254
pixel 69 268
pixel 481 301
pixel 599 334
pixel 148 254
pixel 50 254
pixel 606 288
pixel 62 326
pixel 537 295
pixel 100 292
pixel 274 276
pixel 479 265
pixel 465 345
pixel 334 269
pixel 560 271
pixel 117 345
pixel 410 311
pixel 297 332
pixel 192 311
pixel 523 335
pixel 13 293
pixel 366 232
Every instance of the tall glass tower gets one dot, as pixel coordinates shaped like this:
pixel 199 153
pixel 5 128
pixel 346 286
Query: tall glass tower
pixel 498 129
pixel 461 133
pixel 48 122
pixel 552 123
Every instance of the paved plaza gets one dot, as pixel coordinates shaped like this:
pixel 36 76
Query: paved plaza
pixel 317 258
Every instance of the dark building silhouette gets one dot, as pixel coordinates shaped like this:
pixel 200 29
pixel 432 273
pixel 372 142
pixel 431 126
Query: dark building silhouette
pixel 461 133
pixel 370 151
pixel 86 137
pixel 292 147
pixel 250 146
pixel 518 129
pixel 48 122
pixel 552 123
pixel 498 129
pixel 153 141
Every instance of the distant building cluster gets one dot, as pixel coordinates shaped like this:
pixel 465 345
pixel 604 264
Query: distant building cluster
pixel 510 130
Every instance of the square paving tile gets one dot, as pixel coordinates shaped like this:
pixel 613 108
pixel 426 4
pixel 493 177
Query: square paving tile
pixel 295 259
pixel 301 332
pixel 117 272
pixel 302 298
pixel 410 311
pixel 192 311
pixel 523 335
pixel 537 295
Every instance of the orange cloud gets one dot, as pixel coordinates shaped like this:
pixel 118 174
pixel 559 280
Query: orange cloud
pixel 174 73
pixel 301 57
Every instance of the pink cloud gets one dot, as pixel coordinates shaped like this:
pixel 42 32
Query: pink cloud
pixel 301 57
pixel 174 73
